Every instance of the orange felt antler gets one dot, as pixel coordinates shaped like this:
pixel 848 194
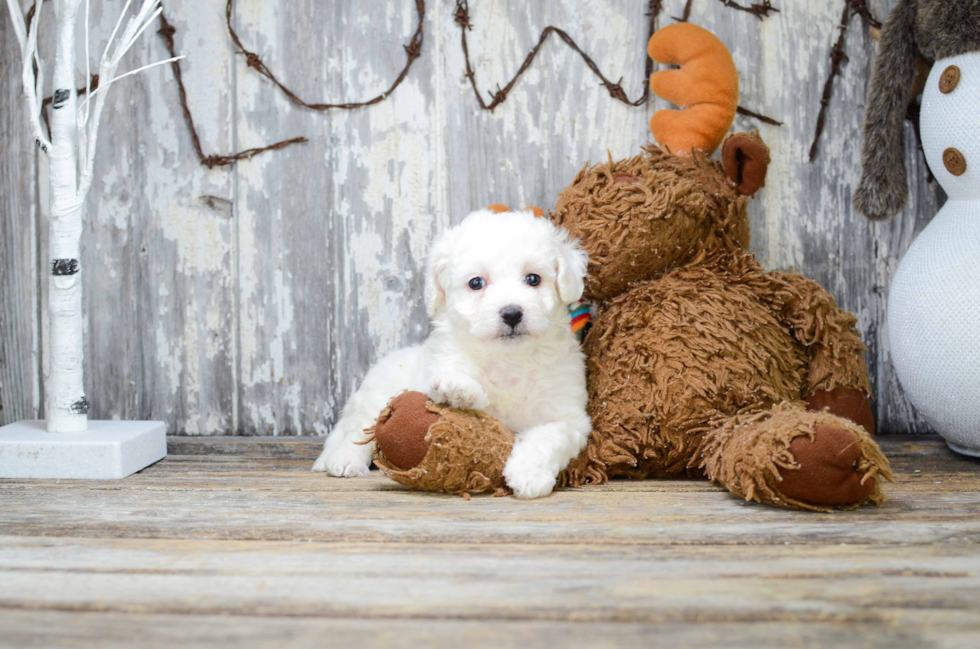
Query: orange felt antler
pixel 705 87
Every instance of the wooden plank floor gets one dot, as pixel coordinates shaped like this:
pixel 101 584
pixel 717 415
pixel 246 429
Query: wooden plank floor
pixel 234 542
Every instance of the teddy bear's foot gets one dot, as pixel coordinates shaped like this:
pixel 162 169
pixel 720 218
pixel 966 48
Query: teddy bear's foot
pixel 791 457
pixel 849 404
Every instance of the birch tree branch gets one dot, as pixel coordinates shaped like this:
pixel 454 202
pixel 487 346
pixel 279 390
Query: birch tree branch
pixel 20 30
pixel 88 129
pixel 33 84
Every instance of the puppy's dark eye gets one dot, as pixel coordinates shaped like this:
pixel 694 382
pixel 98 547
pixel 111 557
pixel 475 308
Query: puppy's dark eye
pixel 477 283
pixel 532 280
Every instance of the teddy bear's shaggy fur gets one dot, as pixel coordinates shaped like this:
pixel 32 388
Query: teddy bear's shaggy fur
pixel 700 361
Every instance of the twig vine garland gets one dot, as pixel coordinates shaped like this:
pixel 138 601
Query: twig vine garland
pixel 860 7
pixel 761 13
pixel 759 116
pixel 462 17
pixel 687 12
pixel 837 59
pixel 167 32
pixel 413 50
pixel 760 9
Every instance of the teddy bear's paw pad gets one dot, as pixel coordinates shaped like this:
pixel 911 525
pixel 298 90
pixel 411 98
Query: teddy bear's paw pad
pixel 400 433
pixel 849 404
pixel 827 475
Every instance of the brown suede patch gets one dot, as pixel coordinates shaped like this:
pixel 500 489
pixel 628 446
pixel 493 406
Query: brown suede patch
pixel 849 404
pixel 828 472
pixel 402 428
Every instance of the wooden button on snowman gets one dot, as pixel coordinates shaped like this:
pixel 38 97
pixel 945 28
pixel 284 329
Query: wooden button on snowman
pixel 934 300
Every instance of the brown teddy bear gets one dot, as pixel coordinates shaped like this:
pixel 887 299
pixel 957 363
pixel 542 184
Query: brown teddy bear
pixel 699 361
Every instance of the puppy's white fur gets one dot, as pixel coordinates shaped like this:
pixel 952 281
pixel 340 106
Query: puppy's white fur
pixel 530 376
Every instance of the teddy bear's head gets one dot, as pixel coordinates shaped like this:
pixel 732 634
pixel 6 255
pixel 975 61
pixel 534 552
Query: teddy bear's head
pixel 642 216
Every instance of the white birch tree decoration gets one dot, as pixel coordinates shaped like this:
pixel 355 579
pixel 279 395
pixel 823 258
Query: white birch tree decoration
pixel 71 157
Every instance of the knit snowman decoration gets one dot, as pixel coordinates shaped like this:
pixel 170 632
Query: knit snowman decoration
pixel 934 301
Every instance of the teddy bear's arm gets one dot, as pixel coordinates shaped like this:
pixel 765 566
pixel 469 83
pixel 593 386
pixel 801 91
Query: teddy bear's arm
pixel 828 333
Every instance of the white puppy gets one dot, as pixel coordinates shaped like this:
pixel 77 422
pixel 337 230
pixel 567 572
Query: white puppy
pixel 497 287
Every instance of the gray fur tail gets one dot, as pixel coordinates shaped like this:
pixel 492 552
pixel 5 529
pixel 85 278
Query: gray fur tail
pixel 883 189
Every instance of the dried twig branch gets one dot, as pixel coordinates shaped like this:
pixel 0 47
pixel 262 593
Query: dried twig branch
pixel 762 118
pixel 860 7
pixel 837 59
pixel 616 91
pixel 759 10
pixel 167 32
pixel 413 50
pixel 687 12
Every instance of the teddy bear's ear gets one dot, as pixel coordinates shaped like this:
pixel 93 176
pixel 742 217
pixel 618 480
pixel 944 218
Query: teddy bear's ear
pixel 497 208
pixel 745 158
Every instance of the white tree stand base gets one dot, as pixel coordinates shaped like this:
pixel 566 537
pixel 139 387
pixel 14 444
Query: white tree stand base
pixel 108 450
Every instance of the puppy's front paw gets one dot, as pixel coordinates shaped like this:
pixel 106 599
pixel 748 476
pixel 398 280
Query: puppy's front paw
pixel 349 461
pixel 459 391
pixel 528 479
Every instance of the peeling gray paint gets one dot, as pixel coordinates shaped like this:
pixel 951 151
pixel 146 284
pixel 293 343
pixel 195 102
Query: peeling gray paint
pixel 252 299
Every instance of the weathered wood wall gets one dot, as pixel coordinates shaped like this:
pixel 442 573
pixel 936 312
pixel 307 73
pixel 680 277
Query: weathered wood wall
pixel 251 299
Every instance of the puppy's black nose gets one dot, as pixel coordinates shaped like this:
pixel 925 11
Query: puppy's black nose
pixel 511 315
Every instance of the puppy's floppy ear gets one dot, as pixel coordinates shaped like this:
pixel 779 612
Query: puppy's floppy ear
pixel 571 266
pixel 438 263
